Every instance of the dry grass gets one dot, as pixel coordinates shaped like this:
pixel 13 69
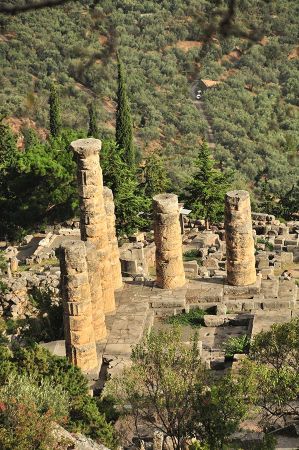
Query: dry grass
pixel 294 54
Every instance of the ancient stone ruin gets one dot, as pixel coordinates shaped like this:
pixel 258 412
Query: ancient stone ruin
pixel 93 223
pixel 169 258
pixel 94 269
pixel 112 239
pixel 238 273
pixel 240 257
pixel 78 320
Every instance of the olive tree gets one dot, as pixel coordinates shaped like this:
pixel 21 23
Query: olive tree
pixel 272 372
pixel 168 388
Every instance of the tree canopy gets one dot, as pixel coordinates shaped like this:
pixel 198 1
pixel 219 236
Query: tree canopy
pixel 207 188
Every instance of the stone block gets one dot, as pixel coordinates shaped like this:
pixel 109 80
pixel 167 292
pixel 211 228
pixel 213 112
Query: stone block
pixel 263 263
pixel 269 288
pixel 277 247
pixel 286 257
pixel 137 237
pixel 204 291
pixel 287 290
pixel 221 309
pixel 291 248
pixel 129 266
pixel 218 255
pixel 242 291
pixel 203 272
pixel 213 321
pixel 14 263
pixel 283 230
pixel 266 272
pixel 191 266
pixel 293 242
pixel 211 263
pixel 275 304
pixel 167 303
pixel 260 246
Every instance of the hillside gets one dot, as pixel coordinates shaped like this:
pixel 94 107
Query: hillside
pixel 165 46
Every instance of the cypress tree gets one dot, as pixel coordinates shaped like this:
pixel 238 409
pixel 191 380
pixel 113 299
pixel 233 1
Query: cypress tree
pixel 207 188
pixel 124 126
pixel 55 119
pixel 8 147
pixel 93 130
pixel 156 179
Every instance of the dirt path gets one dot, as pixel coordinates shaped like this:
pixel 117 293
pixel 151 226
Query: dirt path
pixel 200 105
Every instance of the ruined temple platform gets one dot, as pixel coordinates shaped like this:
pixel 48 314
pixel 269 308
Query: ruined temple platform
pixel 142 305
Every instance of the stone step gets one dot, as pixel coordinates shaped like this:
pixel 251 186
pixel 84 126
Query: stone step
pixel 168 303
pixel 168 312
pixel 204 305
pixel 251 305
pixel 127 329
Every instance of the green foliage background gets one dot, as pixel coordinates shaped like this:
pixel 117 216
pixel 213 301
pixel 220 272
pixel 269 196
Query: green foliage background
pixel 253 112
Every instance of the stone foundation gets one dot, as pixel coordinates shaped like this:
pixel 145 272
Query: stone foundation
pixel 169 257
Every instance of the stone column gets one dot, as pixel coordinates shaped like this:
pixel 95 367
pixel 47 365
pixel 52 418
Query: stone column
pixel 239 239
pixel 114 250
pixel 169 257
pixel 98 315
pixel 93 223
pixel 78 322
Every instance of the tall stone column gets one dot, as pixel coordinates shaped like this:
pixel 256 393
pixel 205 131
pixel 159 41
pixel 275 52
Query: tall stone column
pixel 78 322
pixel 239 239
pixel 169 257
pixel 98 315
pixel 114 250
pixel 93 222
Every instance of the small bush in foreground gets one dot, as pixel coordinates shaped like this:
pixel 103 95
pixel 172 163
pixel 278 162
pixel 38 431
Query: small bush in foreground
pixel 27 413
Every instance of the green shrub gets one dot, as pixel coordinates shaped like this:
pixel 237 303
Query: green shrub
pixel 36 363
pixel 28 410
pixel 3 287
pixel 269 245
pixel 48 325
pixel 3 262
pixel 193 318
pixel 234 345
pixel 12 325
pixel 192 255
pixel 44 394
